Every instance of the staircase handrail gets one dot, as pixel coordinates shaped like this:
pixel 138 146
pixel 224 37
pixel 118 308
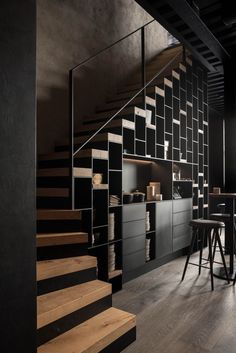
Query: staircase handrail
pixel 163 69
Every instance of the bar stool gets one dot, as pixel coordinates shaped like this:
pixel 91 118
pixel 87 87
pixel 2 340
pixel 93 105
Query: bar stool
pixel 220 217
pixel 202 228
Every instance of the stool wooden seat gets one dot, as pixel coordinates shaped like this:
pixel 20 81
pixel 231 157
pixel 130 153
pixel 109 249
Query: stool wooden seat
pixel 206 223
pixel 220 216
pixel 202 228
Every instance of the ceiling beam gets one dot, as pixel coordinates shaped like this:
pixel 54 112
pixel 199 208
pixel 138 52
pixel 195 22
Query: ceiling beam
pixel 150 7
pixel 189 16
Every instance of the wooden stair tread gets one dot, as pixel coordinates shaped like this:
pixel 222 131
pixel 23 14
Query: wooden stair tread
pixel 94 152
pixel 118 103
pixel 59 267
pixel 55 305
pixel 64 172
pixel 101 137
pixel 115 123
pixel 105 116
pixel 114 274
pixel 52 239
pixel 92 335
pixel 105 136
pixel 126 111
pixel 53 192
pixel 50 214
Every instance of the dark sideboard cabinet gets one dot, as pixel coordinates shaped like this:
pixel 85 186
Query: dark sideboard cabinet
pixel 170 234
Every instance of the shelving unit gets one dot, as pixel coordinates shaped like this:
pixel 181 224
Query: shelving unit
pixel 181 135
pixel 166 143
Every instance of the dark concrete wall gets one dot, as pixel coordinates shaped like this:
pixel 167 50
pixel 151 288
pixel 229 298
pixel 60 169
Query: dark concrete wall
pixel 70 31
pixel 17 176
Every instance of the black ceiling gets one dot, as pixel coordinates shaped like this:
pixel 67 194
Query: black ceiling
pixel 207 28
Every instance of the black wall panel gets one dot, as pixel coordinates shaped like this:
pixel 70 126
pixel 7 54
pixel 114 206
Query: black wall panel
pixel 230 125
pixel 17 176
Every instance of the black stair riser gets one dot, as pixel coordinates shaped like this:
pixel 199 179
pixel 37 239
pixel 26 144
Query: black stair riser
pixel 114 130
pixel 94 144
pixel 103 120
pixel 121 343
pixel 61 163
pixel 57 163
pixel 65 281
pixel 67 322
pixel 58 225
pixel 53 202
pixel 61 251
pixel 119 106
pixel 53 182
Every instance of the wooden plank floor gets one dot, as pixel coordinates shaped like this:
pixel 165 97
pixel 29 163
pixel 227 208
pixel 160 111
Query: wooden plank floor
pixel 180 317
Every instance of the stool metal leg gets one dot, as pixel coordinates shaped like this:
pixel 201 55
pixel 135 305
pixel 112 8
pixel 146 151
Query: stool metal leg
pixel 190 252
pixel 222 254
pixel 200 253
pixel 214 242
pixel 210 258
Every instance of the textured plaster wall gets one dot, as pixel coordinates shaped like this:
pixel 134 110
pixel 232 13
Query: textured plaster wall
pixel 68 32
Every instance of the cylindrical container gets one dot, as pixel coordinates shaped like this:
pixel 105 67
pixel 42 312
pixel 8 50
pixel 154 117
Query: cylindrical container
pixel 158 197
pixel 150 193
pixel 127 197
pixel 138 196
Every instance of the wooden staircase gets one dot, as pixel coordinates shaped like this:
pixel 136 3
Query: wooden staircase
pixel 75 312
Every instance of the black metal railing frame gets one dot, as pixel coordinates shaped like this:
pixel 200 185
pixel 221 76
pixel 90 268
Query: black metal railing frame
pixel 144 84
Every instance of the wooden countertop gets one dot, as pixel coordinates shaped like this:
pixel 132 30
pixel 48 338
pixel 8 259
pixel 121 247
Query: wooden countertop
pixel 225 195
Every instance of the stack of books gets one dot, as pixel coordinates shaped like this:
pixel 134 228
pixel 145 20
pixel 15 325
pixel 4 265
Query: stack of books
pixel 111 258
pixel 114 200
pixel 147 221
pixel 148 241
pixel 111 226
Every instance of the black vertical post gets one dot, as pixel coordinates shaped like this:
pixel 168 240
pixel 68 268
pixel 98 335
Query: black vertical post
pixel 230 124
pixel 143 64
pixel 71 138
pixel 184 55
pixel 18 176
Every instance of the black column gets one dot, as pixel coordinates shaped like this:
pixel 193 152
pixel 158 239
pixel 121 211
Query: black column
pixel 230 125
pixel 17 176
pixel 216 155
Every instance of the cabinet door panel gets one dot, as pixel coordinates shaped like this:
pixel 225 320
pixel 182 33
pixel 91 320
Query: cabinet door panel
pixel 182 205
pixel 164 242
pixel 134 212
pixel 134 244
pixel 181 236
pixel 182 217
pixel 132 229
pixel 133 261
